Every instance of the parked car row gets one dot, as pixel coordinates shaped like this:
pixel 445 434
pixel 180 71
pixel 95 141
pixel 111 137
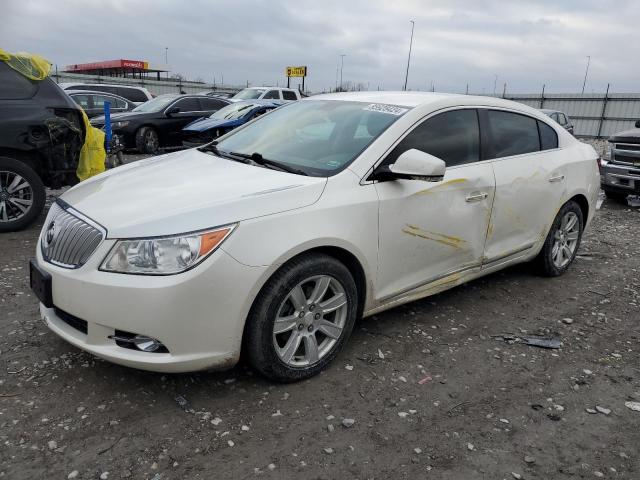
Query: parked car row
pixel 158 123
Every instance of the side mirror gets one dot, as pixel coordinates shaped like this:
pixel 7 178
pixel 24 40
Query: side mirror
pixel 172 111
pixel 414 165
pixel 637 123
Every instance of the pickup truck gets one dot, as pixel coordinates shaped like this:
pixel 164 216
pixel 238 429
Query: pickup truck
pixel 267 93
pixel 620 167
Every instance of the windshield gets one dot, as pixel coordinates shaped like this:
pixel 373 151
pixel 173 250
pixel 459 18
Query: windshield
pixel 319 137
pixel 234 111
pixel 250 93
pixel 156 104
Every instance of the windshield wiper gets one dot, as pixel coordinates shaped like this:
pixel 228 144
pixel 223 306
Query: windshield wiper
pixel 260 160
pixel 212 147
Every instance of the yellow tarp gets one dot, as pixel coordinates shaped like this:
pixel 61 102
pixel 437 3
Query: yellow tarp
pixel 31 66
pixel 92 155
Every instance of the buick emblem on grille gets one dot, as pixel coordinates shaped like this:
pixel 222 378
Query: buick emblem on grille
pixel 50 234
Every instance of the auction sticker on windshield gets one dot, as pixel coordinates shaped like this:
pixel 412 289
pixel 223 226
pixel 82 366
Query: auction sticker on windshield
pixel 383 108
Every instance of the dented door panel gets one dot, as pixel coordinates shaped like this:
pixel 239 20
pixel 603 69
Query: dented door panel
pixel 429 230
pixel 529 191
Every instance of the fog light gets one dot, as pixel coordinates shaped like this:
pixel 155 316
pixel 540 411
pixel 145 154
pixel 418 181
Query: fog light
pixel 146 344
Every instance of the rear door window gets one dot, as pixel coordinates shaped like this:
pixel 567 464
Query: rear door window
pixel 188 105
pixel 511 134
pixel 99 101
pixel 272 94
pixel 548 136
pixel 452 136
pixel 212 104
pixel 289 95
pixel 13 85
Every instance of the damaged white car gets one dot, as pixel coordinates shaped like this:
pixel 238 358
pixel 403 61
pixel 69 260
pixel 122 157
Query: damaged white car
pixel 277 237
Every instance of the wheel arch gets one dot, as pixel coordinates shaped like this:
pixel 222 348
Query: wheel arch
pixel 583 203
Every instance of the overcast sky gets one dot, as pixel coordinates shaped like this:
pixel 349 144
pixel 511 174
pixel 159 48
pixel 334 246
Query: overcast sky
pixel 525 43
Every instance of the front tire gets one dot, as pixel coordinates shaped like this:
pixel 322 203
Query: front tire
pixel 562 242
pixel 302 318
pixel 147 140
pixel 22 195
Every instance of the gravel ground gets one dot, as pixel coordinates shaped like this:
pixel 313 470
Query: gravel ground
pixel 421 391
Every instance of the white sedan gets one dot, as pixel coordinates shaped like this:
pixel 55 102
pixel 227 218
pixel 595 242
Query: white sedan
pixel 277 237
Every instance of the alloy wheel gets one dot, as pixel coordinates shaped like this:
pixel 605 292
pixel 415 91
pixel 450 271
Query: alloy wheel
pixel 566 240
pixel 310 321
pixel 16 196
pixel 151 140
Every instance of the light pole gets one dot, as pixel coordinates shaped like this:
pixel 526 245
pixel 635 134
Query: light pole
pixel 166 59
pixel 585 73
pixel 406 77
pixel 341 66
pixel 495 81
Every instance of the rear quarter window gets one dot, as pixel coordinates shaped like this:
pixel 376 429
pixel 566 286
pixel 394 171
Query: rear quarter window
pixel 14 86
pixel 548 136
pixel 288 95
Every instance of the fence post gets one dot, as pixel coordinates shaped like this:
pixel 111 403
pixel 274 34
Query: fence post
pixel 542 97
pixel 604 106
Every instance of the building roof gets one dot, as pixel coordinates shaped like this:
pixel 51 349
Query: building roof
pixel 120 64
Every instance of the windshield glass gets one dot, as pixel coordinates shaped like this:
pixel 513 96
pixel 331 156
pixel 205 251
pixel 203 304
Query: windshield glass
pixel 156 104
pixel 320 137
pixel 250 93
pixel 234 111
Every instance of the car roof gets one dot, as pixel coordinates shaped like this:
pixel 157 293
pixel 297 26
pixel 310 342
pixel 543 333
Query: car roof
pixel 267 87
pixel 69 84
pixel 418 99
pixel 266 103
pixel 95 92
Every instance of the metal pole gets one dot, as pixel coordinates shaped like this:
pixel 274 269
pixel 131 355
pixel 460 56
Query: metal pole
pixel 585 73
pixel 495 81
pixel 406 77
pixel 467 92
pixel 604 107
pixel 166 59
pixel 504 89
pixel 341 66
pixel 542 97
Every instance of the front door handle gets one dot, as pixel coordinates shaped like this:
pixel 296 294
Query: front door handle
pixel 557 178
pixel 476 196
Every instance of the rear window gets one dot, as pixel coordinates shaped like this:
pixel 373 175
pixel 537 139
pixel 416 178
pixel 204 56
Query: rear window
pixel 512 134
pixel 15 86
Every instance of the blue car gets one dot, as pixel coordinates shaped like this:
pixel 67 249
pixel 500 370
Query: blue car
pixel 206 129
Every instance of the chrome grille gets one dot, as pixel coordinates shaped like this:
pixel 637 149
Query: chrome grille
pixel 67 240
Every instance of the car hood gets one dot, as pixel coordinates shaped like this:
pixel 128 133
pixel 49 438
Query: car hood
pixel 202 125
pixel 632 136
pixel 187 191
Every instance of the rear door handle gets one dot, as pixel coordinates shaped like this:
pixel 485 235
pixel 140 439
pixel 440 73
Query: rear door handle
pixel 476 196
pixel 557 178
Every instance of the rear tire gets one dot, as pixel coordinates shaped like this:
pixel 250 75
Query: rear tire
pixel 285 336
pixel 615 196
pixel 22 195
pixel 147 140
pixel 562 242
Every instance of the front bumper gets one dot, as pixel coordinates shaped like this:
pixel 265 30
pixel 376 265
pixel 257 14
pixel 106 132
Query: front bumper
pixel 198 315
pixel 620 178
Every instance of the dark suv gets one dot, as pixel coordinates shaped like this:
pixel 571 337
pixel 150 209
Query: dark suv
pixel 620 167
pixel 41 135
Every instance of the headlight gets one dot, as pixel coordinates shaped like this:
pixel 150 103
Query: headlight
pixel 119 124
pixel 165 255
